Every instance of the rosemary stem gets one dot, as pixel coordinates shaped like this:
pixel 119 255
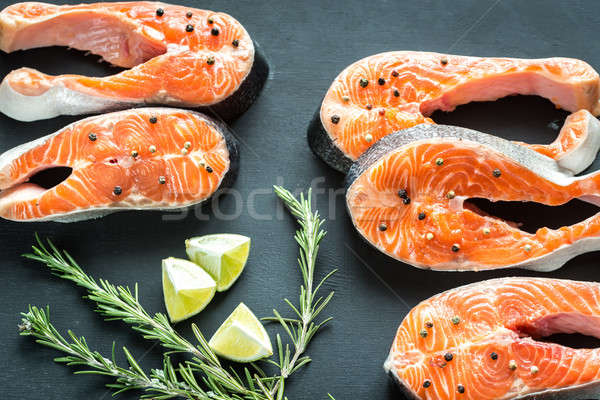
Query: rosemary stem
pixel 308 238
pixel 37 323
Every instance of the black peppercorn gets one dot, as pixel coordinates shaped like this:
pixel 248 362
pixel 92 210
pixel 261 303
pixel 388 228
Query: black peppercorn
pixel 214 32
pixel 381 81
pixel 117 190
pixel 153 120
pixel 189 28
pixel 160 12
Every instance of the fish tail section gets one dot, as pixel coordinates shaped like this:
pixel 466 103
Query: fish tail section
pixel 19 163
pixel 28 95
pixel 577 144
pixel 23 95
pixel 542 366
pixel 68 148
pixel 98 185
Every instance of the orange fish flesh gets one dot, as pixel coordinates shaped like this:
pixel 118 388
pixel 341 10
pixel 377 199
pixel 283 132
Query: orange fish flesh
pixel 142 159
pixel 409 196
pixel 391 91
pixel 176 55
pixel 478 342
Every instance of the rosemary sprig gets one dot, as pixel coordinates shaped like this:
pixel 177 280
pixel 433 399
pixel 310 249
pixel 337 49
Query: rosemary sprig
pixel 303 326
pixel 161 384
pixel 216 382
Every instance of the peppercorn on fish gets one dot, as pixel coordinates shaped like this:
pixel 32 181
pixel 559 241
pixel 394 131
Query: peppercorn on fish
pixel 391 91
pixel 482 342
pixel 142 159
pixel 177 55
pixel 410 196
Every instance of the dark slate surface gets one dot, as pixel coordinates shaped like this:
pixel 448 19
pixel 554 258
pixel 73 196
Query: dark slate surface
pixel 307 43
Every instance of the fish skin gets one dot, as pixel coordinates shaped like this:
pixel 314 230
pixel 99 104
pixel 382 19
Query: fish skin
pixel 100 165
pixel 425 85
pixel 167 64
pixel 505 316
pixel 324 147
pixel 406 160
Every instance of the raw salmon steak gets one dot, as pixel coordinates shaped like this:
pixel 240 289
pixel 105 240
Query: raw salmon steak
pixel 145 158
pixel 481 342
pixel 176 55
pixel 391 91
pixel 410 195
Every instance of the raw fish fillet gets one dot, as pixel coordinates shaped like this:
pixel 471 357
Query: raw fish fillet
pixel 142 159
pixel 176 55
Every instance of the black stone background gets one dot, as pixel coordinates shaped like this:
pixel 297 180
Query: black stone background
pixel 307 43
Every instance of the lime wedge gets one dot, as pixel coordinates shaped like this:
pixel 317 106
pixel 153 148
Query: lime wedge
pixel 242 337
pixel 187 288
pixel 222 255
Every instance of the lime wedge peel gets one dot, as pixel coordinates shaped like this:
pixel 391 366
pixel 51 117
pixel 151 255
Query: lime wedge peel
pixel 222 255
pixel 241 338
pixel 187 288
